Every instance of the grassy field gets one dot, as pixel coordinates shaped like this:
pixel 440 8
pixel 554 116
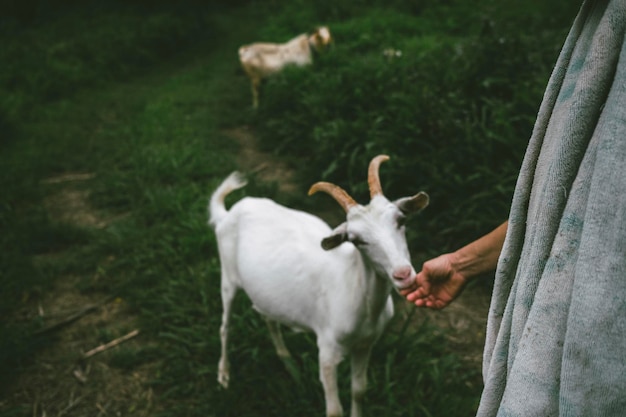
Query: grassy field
pixel 117 122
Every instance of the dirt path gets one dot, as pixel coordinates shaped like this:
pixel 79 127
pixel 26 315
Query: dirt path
pixel 266 166
pixel 61 382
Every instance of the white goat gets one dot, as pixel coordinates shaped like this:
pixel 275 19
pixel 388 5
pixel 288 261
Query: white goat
pixel 297 272
pixel 260 60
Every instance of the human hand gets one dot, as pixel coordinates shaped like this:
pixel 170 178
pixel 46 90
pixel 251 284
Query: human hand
pixel 437 284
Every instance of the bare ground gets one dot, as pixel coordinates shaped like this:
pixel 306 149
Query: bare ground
pixel 61 381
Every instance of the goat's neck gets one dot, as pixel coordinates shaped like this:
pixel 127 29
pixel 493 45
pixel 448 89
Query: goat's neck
pixel 376 290
pixel 312 46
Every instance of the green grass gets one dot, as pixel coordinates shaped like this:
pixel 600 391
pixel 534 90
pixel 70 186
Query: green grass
pixel 454 112
pixel 137 95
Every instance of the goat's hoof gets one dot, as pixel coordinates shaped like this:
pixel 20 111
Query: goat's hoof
pixel 223 380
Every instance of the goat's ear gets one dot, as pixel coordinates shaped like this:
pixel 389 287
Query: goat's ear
pixel 318 39
pixel 412 204
pixel 338 236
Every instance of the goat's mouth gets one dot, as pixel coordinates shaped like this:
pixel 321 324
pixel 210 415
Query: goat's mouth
pixel 404 283
pixel 403 277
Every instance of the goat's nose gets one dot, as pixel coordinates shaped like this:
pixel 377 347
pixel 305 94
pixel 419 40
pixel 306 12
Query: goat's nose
pixel 403 273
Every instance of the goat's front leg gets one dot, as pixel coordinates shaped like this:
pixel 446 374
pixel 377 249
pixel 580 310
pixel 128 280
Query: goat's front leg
pixel 330 355
pixel 223 367
pixel 360 362
pixel 256 82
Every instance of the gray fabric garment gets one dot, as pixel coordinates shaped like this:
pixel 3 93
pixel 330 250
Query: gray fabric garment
pixel 556 332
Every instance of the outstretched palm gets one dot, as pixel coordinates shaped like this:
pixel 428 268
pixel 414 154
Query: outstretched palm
pixel 437 284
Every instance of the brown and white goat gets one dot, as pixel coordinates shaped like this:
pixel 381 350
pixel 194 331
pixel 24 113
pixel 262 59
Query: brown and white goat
pixel 260 60
pixel 299 272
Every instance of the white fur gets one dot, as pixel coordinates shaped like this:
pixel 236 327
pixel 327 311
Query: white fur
pixel 260 60
pixel 275 255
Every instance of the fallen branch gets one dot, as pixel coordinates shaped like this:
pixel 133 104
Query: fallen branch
pixel 72 403
pixel 69 177
pixel 111 344
pixel 73 317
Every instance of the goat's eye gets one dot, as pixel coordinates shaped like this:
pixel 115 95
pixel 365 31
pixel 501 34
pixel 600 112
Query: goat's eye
pixel 401 221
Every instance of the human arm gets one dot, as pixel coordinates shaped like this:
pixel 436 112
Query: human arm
pixel 441 279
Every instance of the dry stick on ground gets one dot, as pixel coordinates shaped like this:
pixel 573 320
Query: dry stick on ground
pixel 69 177
pixel 71 404
pixel 73 317
pixel 111 344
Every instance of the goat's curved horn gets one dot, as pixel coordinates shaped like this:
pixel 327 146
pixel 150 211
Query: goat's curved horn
pixel 338 193
pixel 372 175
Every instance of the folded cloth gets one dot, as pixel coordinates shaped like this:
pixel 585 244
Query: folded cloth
pixel 556 332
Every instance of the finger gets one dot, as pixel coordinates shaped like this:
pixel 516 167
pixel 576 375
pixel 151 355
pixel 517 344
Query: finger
pixel 406 291
pixel 421 278
pixel 439 304
pixel 424 285
pixel 417 294
pixel 420 302
pixel 430 302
